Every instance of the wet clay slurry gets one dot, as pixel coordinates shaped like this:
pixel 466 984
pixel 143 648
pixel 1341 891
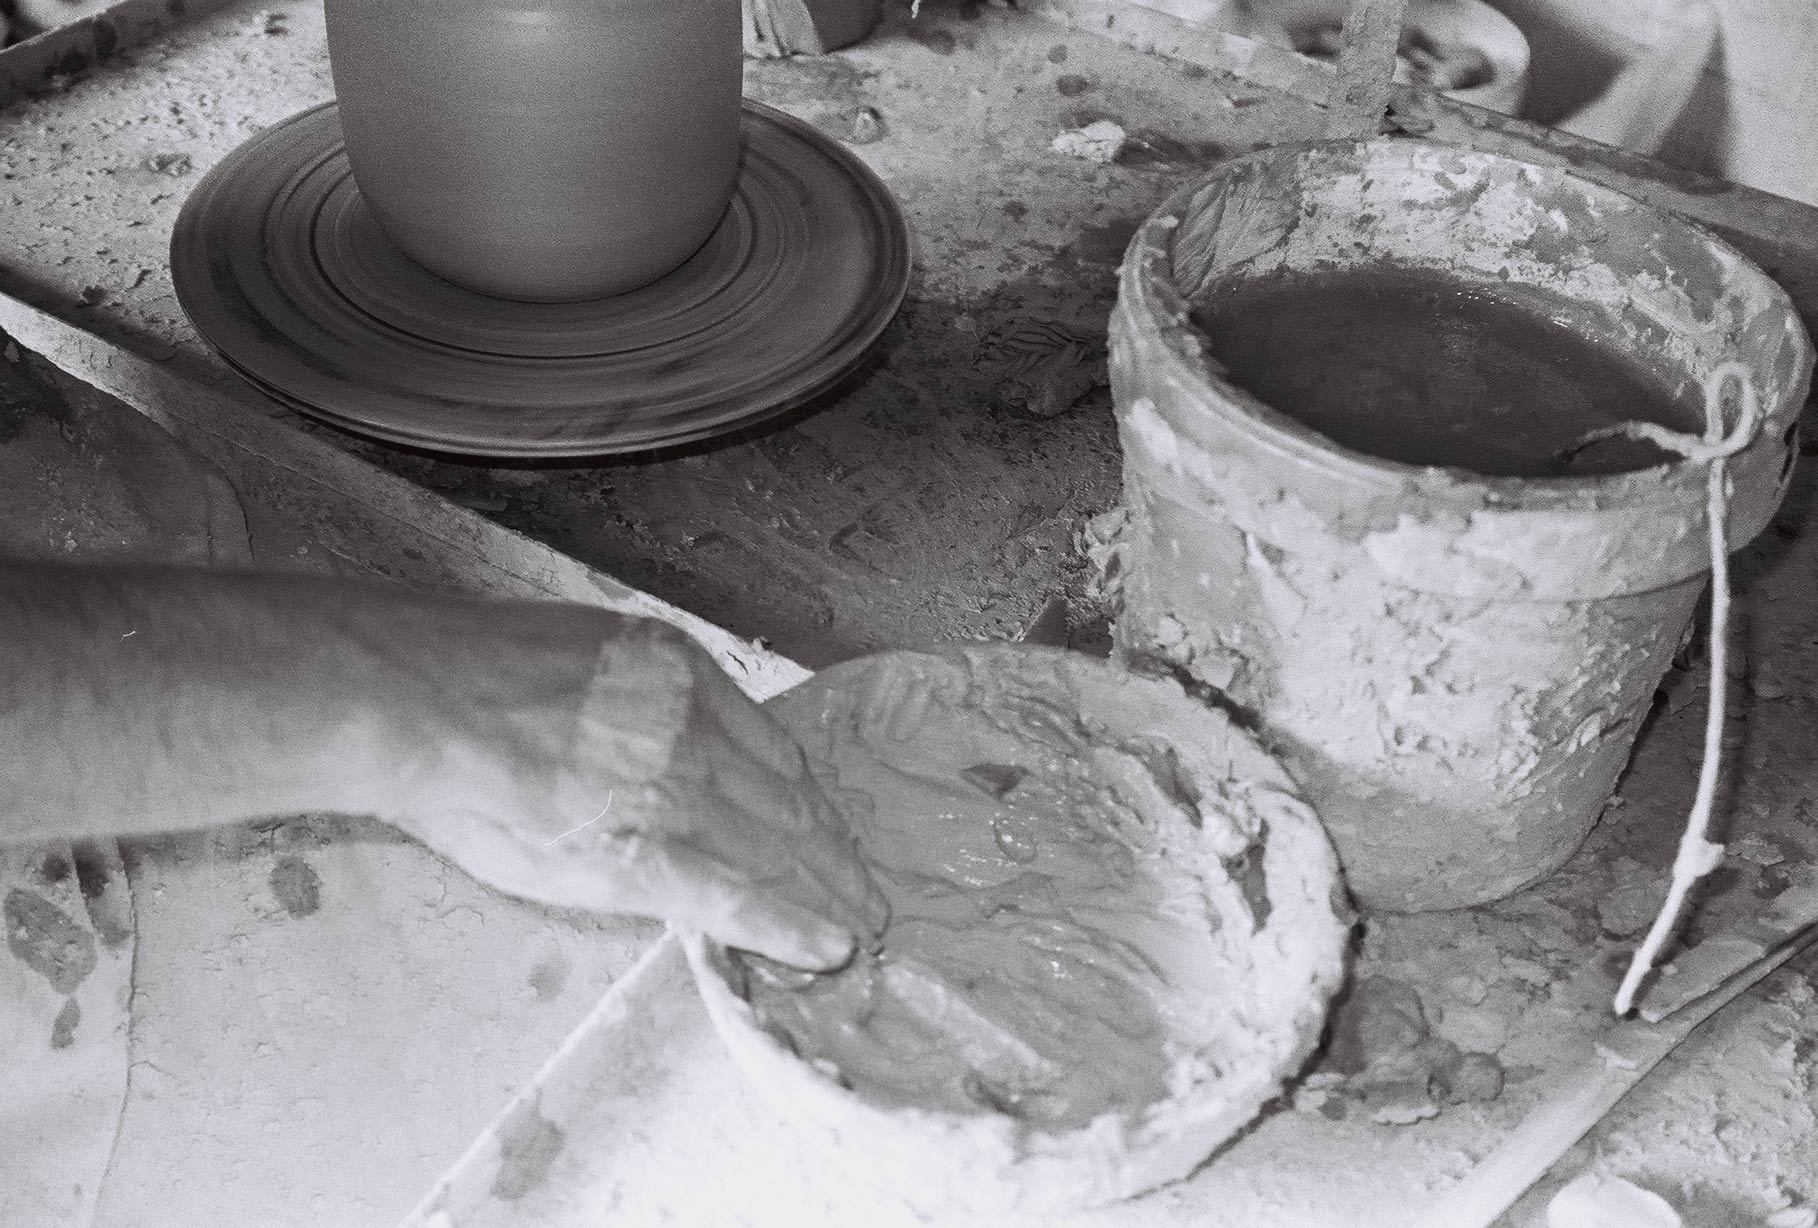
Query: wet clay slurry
pixel 1112 931
pixel 1412 367
pixel 1031 948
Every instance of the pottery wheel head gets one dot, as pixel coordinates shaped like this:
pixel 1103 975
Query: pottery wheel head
pixel 283 269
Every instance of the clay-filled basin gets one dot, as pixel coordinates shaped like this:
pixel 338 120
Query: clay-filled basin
pixel 1113 932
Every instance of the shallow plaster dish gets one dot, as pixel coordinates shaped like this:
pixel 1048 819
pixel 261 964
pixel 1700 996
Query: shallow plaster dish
pixel 1230 892
pixel 284 271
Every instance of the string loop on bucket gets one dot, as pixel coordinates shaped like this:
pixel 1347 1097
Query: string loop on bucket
pixel 1698 855
pixel 1716 443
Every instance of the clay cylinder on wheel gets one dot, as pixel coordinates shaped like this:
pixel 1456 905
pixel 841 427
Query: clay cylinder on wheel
pixel 1455 665
pixel 548 150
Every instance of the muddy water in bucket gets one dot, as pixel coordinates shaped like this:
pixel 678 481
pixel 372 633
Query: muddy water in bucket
pixel 1412 367
pixel 1348 379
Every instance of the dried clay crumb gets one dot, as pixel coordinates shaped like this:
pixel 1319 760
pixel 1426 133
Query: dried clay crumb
pixel 1593 1200
pixel 176 165
pixel 1627 909
pixel 1099 141
pixel 1379 1018
pixel 1757 850
pixel 1473 1077
pixel 1319 1092
pixel 1400 1104
pixel 867 126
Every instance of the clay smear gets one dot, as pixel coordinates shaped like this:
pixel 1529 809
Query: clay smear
pixel 1044 954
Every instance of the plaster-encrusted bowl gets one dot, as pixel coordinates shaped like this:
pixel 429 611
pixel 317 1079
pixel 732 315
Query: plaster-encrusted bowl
pixel 1234 868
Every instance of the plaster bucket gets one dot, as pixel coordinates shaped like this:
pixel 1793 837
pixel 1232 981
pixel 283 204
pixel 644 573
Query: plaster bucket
pixel 1455 665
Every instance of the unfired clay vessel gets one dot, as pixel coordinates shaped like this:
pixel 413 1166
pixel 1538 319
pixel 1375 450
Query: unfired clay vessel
pixel 542 149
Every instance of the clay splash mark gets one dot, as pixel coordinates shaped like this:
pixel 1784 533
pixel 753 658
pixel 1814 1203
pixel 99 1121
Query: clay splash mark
pixel 93 875
pixel 548 978
pixel 45 939
pixel 105 894
pixel 297 886
pixel 1104 242
pixel 63 1028
pixel 54 868
pixel 1043 366
pixel 1150 149
pixel 528 1145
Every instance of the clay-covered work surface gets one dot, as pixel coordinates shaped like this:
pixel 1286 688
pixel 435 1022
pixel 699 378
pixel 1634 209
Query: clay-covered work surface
pixel 936 496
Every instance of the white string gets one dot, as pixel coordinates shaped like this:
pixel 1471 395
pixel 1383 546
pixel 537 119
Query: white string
pixel 582 826
pixel 1698 855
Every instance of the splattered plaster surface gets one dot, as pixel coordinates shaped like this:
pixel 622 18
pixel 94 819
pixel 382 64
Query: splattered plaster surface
pixel 290 1021
pixel 934 497
pixel 323 1013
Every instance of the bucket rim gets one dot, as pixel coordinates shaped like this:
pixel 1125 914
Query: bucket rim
pixel 1148 293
